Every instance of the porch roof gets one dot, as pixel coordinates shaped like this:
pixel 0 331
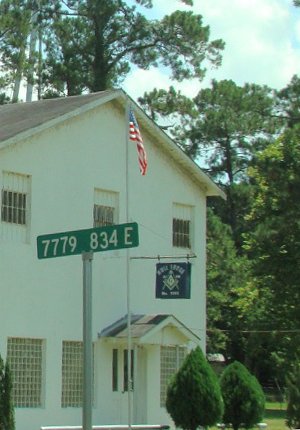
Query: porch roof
pixel 144 327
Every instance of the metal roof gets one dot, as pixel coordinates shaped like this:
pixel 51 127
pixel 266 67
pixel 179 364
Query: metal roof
pixel 142 325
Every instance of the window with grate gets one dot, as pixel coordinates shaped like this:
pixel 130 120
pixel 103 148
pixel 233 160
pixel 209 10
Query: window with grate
pixel 103 215
pixel 72 374
pixel 105 208
pixel 15 206
pixel 125 369
pixel 120 369
pixel 25 359
pixel 171 358
pixel 182 226
pixel 181 233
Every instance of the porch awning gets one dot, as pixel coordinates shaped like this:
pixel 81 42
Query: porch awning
pixel 162 329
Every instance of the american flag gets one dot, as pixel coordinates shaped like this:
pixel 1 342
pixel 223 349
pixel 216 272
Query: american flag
pixel 135 136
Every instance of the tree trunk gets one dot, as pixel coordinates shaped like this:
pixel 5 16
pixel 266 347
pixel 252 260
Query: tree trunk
pixel 31 61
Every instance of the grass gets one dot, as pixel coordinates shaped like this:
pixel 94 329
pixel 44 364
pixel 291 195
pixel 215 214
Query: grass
pixel 274 416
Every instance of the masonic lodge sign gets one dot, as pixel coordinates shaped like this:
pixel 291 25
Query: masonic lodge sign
pixel 173 280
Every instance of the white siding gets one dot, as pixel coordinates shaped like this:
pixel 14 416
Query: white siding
pixel 43 298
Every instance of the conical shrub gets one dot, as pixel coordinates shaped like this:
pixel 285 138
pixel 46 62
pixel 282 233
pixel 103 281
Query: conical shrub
pixel 193 396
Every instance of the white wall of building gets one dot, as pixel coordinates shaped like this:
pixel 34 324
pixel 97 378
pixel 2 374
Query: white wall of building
pixel 43 298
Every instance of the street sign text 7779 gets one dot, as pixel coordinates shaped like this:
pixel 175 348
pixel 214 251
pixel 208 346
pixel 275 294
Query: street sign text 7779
pixel 97 239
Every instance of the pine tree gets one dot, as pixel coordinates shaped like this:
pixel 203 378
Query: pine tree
pixel 194 396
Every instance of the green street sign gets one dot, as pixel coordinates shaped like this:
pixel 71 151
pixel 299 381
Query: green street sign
pixel 97 239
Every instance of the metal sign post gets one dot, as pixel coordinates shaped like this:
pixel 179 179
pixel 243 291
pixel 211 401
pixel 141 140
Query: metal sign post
pixel 87 342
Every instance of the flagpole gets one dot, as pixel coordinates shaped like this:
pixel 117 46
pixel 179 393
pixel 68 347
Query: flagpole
pixel 129 340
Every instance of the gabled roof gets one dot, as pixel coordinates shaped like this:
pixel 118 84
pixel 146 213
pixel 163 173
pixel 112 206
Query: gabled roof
pixel 19 121
pixel 19 118
pixel 144 327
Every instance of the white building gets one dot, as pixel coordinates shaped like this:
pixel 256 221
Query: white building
pixel 63 168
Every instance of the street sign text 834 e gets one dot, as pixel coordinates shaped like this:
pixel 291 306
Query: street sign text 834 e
pixel 97 239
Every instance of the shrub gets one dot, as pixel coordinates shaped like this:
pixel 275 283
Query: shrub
pixel 193 395
pixel 7 419
pixel 244 400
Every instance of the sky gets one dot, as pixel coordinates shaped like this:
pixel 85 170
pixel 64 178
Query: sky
pixel 262 44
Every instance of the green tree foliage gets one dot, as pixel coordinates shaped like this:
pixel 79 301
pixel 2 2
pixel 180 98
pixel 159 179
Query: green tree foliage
pixel 288 103
pixel 232 120
pixel 14 28
pixel 293 393
pixel 273 245
pixel 111 36
pixel 193 396
pixel 244 401
pixel 231 295
pixel 223 126
pixel 7 421
pixel 2 384
pixel 92 44
pixel 18 20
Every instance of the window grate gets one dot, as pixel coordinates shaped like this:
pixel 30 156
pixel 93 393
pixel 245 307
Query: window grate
pixel 171 358
pixel 106 208
pixel 72 374
pixel 13 207
pixel 181 233
pixel 103 215
pixel 25 359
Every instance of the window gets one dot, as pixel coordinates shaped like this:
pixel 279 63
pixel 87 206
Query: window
pixel 103 215
pixel 105 208
pixel 181 233
pixel 182 226
pixel 125 369
pixel 171 358
pixel 115 363
pixel 15 206
pixel 25 358
pixel 72 374
pixel 116 356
